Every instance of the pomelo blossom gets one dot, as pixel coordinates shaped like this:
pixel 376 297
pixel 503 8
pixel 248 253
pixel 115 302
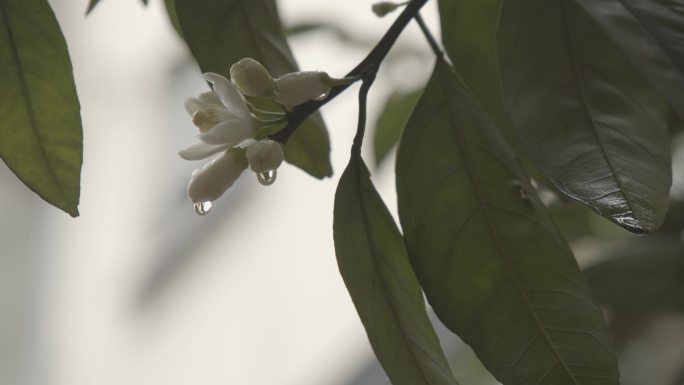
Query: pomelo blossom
pixel 251 78
pixel 291 89
pixel 299 87
pixel 265 156
pixel 227 127
pixel 222 117
pixel 210 181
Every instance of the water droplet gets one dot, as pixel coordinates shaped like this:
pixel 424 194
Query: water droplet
pixel 202 208
pixel 267 178
pixel 322 96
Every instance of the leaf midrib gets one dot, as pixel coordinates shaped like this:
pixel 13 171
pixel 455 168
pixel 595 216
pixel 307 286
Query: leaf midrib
pixel 29 105
pixel 656 37
pixel 490 223
pixel 371 246
pixel 587 110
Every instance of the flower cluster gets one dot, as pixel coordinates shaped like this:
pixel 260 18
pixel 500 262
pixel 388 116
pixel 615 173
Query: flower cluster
pixel 230 126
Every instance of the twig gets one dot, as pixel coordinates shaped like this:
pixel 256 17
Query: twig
pixel 361 126
pixel 428 35
pixel 370 63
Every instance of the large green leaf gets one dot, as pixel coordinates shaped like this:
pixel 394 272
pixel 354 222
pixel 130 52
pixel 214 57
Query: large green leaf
pixel 489 258
pixel 374 265
pixel 650 33
pixel 585 115
pixel 469 35
pixel 221 32
pixel 641 277
pixel 41 138
pixel 391 122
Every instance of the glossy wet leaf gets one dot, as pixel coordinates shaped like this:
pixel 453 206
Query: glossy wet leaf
pixel 391 122
pixel 588 119
pixel 221 32
pixel 40 127
pixel 376 270
pixel 650 33
pixel 490 260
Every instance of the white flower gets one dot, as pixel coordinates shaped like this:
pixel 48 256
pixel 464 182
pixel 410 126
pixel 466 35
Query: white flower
pixel 251 78
pixel 210 181
pixel 299 87
pixel 222 117
pixel 264 157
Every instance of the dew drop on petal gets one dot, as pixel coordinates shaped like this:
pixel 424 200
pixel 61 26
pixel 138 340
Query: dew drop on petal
pixel 202 208
pixel 267 178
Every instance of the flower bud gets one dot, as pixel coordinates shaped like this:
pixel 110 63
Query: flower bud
pixel 299 87
pixel 382 8
pixel 251 78
pixel 210 181
pixel 265 156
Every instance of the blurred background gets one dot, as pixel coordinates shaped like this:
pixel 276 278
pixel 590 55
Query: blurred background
pixel 140 290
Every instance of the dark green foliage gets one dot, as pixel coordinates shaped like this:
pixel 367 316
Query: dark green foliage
pixel 219 33
pixel 587 118
pixel 490 260
pixel 374 265
pixel 650 33
pixel 40 126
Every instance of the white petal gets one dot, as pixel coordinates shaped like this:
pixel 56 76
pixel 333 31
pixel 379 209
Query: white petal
pixel 210 181
pixel 299 87
pixel 210 97
pixel 205 100
pixel 264 156
pixel 251 78
pixel 201 150
pixel 229 132
pixel 229 94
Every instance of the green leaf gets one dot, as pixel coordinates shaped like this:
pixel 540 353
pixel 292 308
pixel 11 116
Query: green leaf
pixel 221 32
pixel 391 122
pixel 469 35
pixel 170 6
pixel 584 114
pixel 641 277
pixel 41 139
pixel 649 33
pixel 490 260
pixel 374 265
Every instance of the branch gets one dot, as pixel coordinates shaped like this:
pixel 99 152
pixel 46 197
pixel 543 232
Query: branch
pixel 368 65
pixel 363 98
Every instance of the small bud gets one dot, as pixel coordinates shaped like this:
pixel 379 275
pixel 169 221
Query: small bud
pixel 210 181
pixel 382 8
pixel 251 78
pixel 299 87
pixel 265 156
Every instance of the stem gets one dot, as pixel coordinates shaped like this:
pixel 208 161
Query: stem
pixel 428 35
pixel 370 63
pixel 361 127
